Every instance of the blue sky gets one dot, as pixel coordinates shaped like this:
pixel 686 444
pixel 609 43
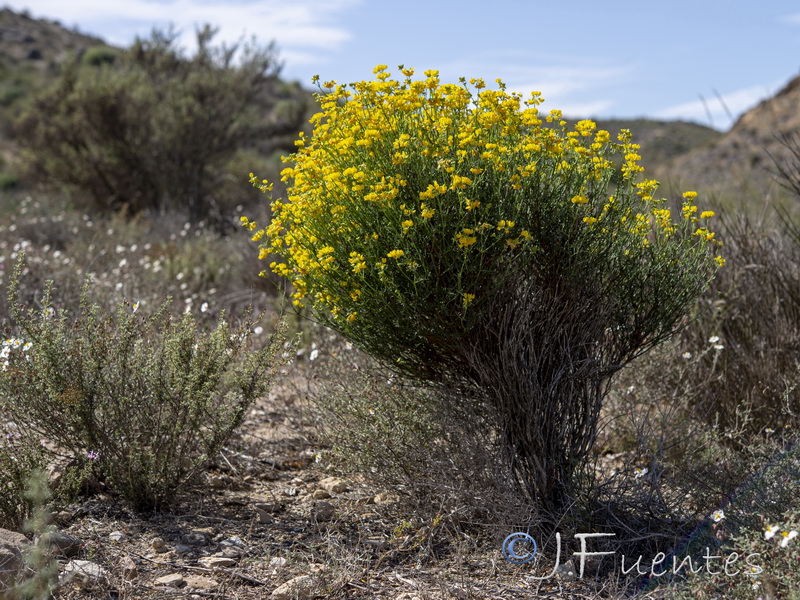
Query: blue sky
pixel 695 60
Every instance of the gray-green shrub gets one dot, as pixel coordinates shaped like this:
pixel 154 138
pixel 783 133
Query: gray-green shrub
pixel 149 398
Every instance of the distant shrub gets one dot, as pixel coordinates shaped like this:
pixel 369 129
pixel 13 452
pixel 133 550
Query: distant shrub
pixel 469 241
pixel 152 130
pixel 150 400
pixel 99 55
pixel 8 181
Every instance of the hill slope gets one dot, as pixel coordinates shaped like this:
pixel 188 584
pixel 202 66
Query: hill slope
pixel 740 165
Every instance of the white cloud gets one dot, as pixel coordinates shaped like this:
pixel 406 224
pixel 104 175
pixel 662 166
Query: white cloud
pixel 718 107
pixel 300 28
pixel 794 19
pixel 565 83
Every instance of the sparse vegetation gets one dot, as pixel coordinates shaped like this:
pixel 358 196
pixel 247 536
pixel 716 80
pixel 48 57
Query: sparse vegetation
pixel 149 400
pixel 399 490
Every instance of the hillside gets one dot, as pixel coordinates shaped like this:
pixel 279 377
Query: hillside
pixel 739 165
pixel 31 54
pixel 662 141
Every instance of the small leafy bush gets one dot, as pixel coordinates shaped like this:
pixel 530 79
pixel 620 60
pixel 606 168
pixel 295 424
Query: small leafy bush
pixel 149 398
pixel 467 240
pixel 20 457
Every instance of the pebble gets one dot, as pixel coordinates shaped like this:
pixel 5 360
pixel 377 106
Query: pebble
pixel 277 562
pixel 263 516
pixel 128 567
pixel 118 536
pixel 158 544
pixel 87 574
pixel 334 485
pixel 173 580
pixel 217 562
pixel 197 583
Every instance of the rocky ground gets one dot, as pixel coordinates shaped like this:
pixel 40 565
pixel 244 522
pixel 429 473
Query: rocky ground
pixel 270 522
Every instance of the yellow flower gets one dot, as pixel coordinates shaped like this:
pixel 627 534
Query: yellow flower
pixel 407 225
pixel 720 261
pixel 580 199
pixel 466 238
pixel 395 254
pixel 471 204
pixel 467 299
pixel 706 214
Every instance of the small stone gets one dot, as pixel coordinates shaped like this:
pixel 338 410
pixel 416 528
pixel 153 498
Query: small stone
pixel 323 511
pixel 291 491
pixel 12 548
pixel 62 517
pixel 217 562
pixel 334 485
pixel 277 562
pixel 263 516
pixel 299 588
pixel 128 568
pixel 271 508
pixel 86 574
pixel 173 580
pixel 236 543
pixel 118 536
pixel 158 544
pixel 196 583
pixel 63 544
pixel 321 494
pixel 386 498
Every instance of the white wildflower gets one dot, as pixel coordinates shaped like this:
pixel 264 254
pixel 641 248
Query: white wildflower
pixel 787 535
pixel 770 532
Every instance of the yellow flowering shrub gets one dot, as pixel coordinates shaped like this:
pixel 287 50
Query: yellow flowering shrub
pixel 416 205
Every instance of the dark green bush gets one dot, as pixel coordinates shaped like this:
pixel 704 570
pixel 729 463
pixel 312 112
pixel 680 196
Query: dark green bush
pixel 99 55
pixel 154 129
pixel 149 399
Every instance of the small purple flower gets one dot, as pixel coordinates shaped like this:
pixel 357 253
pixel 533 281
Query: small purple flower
pixel 92 455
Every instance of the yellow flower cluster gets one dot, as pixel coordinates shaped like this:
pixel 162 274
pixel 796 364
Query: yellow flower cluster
pixel 395 163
